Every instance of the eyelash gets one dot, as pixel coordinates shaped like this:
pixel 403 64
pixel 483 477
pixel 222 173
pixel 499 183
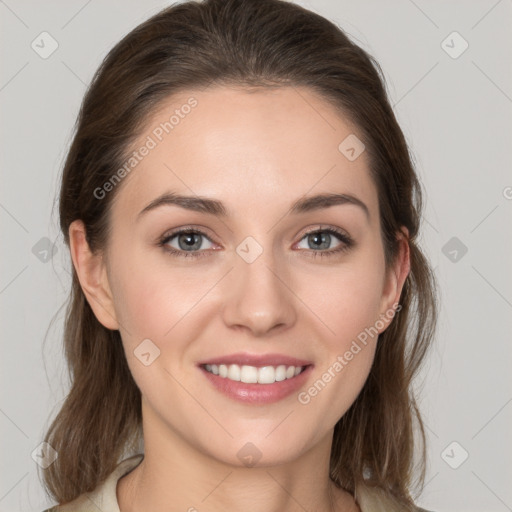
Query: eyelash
pixel 347 243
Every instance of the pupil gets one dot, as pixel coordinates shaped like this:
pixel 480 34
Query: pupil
pixel 190 242
pixel 323 238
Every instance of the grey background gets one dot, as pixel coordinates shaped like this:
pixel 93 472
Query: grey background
pixel 456 115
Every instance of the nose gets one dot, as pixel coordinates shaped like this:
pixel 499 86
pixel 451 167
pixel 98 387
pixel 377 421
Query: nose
pixel 260 296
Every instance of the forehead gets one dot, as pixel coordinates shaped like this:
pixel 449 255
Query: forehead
pixel 248 148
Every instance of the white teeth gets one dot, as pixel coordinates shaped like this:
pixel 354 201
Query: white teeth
pixel 253 374
pixel 234 372
pixel 266 375
pixel 249 374
pixel 281 372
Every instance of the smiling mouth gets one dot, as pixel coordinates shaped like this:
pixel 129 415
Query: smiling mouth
pixel 253 374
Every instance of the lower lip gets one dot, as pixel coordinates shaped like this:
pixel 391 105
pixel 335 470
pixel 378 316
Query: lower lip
pixel 258 393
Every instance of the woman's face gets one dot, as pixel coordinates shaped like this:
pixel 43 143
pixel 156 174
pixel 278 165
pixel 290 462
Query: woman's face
pixel 269 277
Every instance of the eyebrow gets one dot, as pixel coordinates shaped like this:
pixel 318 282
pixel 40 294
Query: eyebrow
pixel 217 208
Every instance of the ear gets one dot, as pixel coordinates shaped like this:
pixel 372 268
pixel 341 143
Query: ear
pixel 92 274
pixel 395 279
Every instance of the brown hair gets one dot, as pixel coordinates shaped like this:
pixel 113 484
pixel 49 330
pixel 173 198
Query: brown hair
pixel 252 44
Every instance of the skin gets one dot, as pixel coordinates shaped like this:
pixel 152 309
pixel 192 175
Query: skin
pixel 257 152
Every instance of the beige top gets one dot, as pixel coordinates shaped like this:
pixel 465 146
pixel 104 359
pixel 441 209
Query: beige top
pixel 104 497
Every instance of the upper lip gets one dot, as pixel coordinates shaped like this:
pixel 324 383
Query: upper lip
pixel 256 360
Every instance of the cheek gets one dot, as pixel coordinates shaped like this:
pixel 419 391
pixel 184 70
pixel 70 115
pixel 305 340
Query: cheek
pixel 162 303
pixel 346 299
pixel 151 306
pixel 349 307
pixel 348 303
pixel 138 302
pixel 151 296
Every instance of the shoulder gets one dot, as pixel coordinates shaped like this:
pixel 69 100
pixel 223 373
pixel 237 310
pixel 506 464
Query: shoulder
pixel 104 497
pixel 80 504
pixel 374 499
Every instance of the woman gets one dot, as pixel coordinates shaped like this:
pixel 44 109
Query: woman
pixel 249 303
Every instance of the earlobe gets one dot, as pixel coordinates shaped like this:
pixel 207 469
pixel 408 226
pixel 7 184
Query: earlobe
pixel 92 274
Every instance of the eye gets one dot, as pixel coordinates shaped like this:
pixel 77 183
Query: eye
pixel 322 239
pixel 188 243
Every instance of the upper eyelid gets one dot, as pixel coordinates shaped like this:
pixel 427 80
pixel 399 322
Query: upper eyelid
pixel 325 227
